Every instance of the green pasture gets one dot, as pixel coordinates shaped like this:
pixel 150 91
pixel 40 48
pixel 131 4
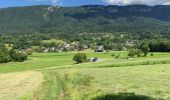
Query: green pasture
pixel 144 78
pixel 40 61
pixel 145 81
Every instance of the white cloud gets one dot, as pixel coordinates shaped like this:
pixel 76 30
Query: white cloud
pixel 128 2
pixel 166 3
pixel 120 2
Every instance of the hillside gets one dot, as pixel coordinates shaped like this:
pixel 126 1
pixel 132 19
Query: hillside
pixel 89 18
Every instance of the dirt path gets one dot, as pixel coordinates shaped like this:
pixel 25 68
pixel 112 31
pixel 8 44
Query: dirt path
pixel 61 95
pixel 15 85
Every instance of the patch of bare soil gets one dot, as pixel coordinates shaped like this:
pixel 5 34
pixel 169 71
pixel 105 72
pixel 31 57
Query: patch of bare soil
pixel 61 95
pixel 15 85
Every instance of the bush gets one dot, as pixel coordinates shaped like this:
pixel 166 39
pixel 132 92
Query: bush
pixel 113 55
pixel 12 55
pixel 38 49
pixel 138 52
pixel 152 54
pixel 29 51
pixel 80 58
pixel 145 48
pixel 17 56
pixel 4 55
pixel 117 56
pixel 134 52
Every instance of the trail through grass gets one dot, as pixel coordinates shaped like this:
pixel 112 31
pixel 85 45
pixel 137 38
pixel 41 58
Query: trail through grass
pixel 145 77
pixel 149 81
pixel 62 87
pixel 140 81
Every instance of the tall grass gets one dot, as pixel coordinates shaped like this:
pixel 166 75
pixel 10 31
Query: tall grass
pixel 63 87
pixel 135 63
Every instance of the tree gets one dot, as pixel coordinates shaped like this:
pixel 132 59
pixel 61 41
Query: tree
pixel 108 47
pixel 132 53
pixel 145 48
pixel 17 56
pixel 4 55
pixel 159 46
pixel 22 43
pixel 80 58
pixel 119 47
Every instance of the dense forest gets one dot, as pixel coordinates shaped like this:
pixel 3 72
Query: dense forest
pixel 89 18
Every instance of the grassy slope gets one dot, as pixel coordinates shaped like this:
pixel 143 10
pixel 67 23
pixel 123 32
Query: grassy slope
pixel 144 80
pixel 149 76
pixel 148 80
pixel 64 60
pixel 38 61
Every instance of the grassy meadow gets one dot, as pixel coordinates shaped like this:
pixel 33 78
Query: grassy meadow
pixel 144 78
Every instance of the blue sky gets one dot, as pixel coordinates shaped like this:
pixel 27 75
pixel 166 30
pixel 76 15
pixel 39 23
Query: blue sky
pixel 11 3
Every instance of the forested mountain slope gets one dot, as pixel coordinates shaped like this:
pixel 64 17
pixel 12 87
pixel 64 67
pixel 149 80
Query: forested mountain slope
pixel 89 18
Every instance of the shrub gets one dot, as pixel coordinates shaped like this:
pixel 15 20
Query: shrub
pixel 132 53
pixel 29 51
pixel 4 55
pixel 117 56
pixel 20 57
pixel 17 56
pixel 80 58
pixel 113 55
pixel 152 54
pixel 80 79
pixel 145 48
pixel 138 52
pixel 38 49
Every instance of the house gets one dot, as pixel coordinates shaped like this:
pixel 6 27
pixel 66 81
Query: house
pixel 52 48
pixel 85 46
pixel 46 50
pixel 100 48
pixel 129 43
pixel 66 45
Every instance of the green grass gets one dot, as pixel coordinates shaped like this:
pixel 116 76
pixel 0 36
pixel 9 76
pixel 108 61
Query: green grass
pixel 64 60
pixel 46 60
pixel 38 61
pixel 144 78
pixel 62 87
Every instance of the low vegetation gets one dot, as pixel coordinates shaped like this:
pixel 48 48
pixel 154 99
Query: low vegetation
pixel 11 55
pixel 80 58
pixel 145 78
pixel 20 85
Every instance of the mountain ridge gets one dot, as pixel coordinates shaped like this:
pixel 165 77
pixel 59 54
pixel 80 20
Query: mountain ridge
pixel 86 18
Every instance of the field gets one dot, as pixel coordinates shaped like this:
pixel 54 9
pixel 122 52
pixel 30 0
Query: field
pixel 54 76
